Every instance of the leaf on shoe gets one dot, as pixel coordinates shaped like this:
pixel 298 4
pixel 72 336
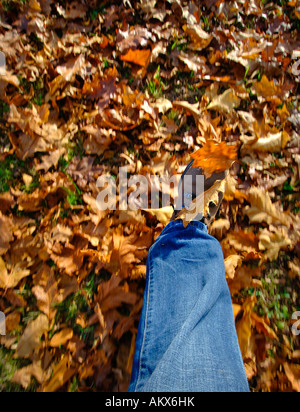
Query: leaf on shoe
pixel 214 157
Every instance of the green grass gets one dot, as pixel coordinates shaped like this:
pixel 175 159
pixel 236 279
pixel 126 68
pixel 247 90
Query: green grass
pixel 38 87
pixel 69 310
pixel 156 86
pixel 278 297
pixel 11 170
pixel 8 366
pixel 13 6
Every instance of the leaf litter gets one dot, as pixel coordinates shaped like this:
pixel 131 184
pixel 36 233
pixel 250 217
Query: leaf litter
pixel 89 87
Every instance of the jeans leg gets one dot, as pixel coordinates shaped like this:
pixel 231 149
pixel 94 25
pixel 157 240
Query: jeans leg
pixel 186 339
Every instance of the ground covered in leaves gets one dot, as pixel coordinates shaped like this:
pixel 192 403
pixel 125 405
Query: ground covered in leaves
pixel 89 86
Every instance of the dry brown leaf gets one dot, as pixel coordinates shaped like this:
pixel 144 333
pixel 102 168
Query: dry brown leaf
pixel 23 376
pixel 9 280
pixel 272 143
pixel 62 373
pixel 31 338
pixel 200 38
pixel 219 228
pixel 6 234
pixel 111 294
pixel 244 327
pixel 231 263
pixel 265 88
pixel 273 242
pixel 293 373
pixel 263 210
pixel 226 102
pixel 6 202
pixel 262 326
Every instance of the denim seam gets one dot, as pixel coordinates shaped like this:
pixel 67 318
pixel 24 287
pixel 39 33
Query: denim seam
pixel 146 323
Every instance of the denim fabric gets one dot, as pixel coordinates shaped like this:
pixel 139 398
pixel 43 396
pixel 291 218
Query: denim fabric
pixel 187 340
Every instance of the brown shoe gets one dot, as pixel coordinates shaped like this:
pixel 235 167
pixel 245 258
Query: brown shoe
pixel 189 189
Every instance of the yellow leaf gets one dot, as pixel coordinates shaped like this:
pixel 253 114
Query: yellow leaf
pixel 236 309
pixel 265 88
pixel 274 242
pixel 61 338
pixel 163 215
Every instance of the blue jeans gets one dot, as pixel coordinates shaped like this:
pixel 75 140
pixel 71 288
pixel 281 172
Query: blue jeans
pixel 187 340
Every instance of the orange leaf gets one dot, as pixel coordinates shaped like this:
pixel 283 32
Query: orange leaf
pixel 215 157
pixel 139 57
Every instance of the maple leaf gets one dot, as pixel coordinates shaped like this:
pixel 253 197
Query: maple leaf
pixel 139 57
pixel 214 157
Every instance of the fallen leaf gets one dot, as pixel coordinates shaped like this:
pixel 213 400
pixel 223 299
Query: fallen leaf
pixel 11 280
pixel 226 102
pixel 139 57
pixel 61 338
pixel 219 227
pixel 62 373
pixel 273 242
pixel 231 263
pixel 262 209
pixel 293 374
pixel 200 38
pixel 23 376
pixel 262 326
pixel 6 235
pixel 31 338
pixel 162 215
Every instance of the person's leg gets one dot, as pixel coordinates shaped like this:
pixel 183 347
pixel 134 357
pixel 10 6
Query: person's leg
pixel 186 339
